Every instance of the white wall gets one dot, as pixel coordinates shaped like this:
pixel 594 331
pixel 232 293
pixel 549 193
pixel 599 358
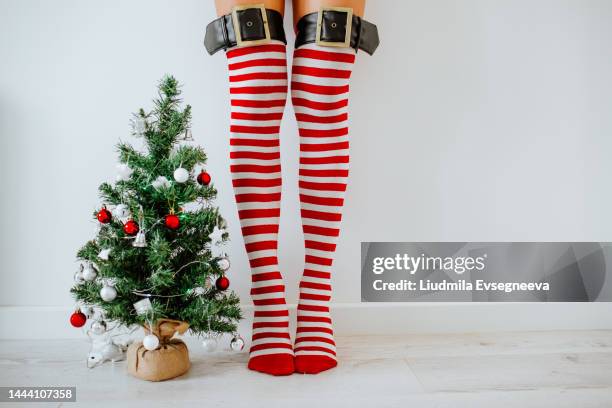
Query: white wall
pixel 476 120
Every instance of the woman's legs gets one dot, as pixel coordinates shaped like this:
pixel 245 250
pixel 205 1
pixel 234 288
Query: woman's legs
pixel 258 90
pixel 319 91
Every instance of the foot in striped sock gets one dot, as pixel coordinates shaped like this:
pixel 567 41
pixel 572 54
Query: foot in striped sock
pixel 319 91
pixel 258 89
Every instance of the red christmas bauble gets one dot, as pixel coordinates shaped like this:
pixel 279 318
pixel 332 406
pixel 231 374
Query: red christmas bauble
pixel 172 221
pixel 222 283
pixel 78 319
pixel 204 178
pixel 104 216
pixel 131 227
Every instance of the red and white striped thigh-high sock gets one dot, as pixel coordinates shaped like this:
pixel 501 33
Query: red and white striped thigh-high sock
pixel 319 91
pixel 258 89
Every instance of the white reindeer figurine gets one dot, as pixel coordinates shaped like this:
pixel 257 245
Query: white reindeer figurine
pixel 107 346
pixel 104 350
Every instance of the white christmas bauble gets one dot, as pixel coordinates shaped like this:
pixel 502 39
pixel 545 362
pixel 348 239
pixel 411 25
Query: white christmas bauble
pixel 210 344
pixel 237 343
pixel 98 327
pixel 89 273
pixel 121 211
pixel 224 264
pixel 124 172
pixel 160 182
pixel 108 293
pixel 181 175
pixel 150 342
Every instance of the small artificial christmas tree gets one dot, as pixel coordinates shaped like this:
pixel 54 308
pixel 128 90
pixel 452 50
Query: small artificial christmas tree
pixel 151 260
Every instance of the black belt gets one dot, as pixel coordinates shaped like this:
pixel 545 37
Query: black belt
pixel 253 25
pixel 330 27
pixel 245 26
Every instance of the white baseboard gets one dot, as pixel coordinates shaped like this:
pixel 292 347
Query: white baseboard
pixel 51 322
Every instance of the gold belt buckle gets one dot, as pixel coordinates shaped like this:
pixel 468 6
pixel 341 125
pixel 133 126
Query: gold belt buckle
pixel 349 27
pixel 236 24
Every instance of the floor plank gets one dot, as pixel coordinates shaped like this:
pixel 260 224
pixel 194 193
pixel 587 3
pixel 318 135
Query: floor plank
pixel 529 369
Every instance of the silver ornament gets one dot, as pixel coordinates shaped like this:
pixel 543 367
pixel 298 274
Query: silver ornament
pixel 104 254
pixel 141 240
pixel 210 344
pixel 216 236
pixel 89 273
pixel 78 276
pixel 222 223
pixel 98 327
pixel 223 263
pixel 139 126
pixel 108 293
pixel 150 342
pixel 192 206
pixel 237 343
pixel 208 283
pixel 181 175
pixel 88 311
pixel 199 291
pixel 143 306
pixel 121 211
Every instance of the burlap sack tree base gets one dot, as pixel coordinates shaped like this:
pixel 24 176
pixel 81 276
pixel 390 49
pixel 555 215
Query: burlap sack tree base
pixel 169 360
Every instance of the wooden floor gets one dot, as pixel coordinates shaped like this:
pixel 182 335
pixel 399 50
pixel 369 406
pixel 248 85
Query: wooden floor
pixel 538 369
